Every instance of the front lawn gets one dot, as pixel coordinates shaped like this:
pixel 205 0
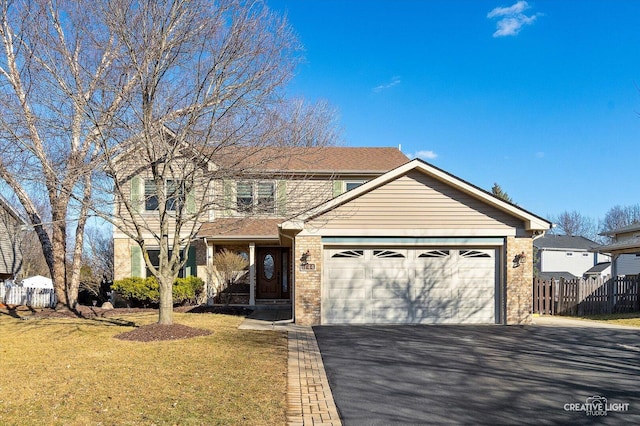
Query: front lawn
pixel 631 319
pixel 73 372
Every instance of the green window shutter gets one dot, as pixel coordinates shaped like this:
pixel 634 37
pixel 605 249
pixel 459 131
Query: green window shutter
pixel 136 199
pixel 136 261
pixel 228 197
pixel 337 187
pixel 191 202
pixel 191 268
pixel 281 201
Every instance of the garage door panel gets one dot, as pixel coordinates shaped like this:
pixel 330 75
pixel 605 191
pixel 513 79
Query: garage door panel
pixel 390 290
pixel 475 293
pixel 347 293
pixel 437 273
pixel 346 273
pixel 381 274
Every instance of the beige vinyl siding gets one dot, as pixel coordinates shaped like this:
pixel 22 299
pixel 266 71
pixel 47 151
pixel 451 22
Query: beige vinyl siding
pixel 416 201
pixel 134 191
pixel 293 196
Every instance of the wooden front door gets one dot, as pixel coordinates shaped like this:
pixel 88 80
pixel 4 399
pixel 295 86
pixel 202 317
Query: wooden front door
pixel 272 273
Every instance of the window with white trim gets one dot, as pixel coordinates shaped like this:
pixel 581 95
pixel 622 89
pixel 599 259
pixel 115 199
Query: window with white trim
pixel 387 253
pixel 154 257
pixel 434 254
pixel 174 194
pixel 255 197
pixel 352 184
pixel 348 254
pixel 473 253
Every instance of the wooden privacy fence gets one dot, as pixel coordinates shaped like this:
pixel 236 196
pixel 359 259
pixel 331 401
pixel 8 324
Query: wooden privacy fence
pixel 586 296
pixel 27 296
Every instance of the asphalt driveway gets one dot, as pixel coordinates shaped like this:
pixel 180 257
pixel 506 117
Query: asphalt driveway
pixel 482 374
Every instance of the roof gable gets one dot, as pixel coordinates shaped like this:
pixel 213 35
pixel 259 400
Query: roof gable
pixel 456 186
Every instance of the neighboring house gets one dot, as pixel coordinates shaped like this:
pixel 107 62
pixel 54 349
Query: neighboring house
pixel 624 250
pixel 600 270
pixel 11 233
pixel 568 257
pixel 362 235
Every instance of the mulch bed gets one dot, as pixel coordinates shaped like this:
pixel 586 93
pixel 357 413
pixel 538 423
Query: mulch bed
pixel 147 333
pixel 157 332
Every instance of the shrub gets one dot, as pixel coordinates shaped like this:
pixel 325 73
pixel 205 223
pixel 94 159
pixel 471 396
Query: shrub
pixel 140 291
pixel 187 290
pixel 146 291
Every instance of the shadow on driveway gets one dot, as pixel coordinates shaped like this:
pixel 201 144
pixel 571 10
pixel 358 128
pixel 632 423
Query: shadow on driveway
pixel 480 374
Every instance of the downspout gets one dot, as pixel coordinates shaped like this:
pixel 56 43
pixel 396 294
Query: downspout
pixel 293 285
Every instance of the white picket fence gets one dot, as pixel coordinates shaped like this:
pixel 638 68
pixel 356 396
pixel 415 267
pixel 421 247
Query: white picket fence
pixel 27 296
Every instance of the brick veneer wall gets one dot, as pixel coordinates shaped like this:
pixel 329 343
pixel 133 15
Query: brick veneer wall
pixel 307 291
pixel 519 293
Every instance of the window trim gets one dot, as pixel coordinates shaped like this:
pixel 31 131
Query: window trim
pixel 259 204
pixel 183 271
pixel 357 183
pixel 172 203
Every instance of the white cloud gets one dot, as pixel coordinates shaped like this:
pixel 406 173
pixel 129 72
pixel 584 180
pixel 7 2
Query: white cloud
pixel 512 19
pixel 539 154
pixel 515 9
pixel 424 154
pixel 394 82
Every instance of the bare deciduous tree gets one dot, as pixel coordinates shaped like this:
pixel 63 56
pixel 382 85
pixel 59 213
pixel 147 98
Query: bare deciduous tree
pixel 60 85
pixel 573 223
pixel 97 265
pixel 620 216
pixel 164 86
pixel 207 102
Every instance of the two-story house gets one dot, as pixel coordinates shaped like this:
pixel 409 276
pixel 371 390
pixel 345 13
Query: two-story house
pixel 568 257
pixel 624 250
pixel 363 235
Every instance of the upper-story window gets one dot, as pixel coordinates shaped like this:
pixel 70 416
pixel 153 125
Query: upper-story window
pixel 174 195
pixel 255 197
pixel 349 185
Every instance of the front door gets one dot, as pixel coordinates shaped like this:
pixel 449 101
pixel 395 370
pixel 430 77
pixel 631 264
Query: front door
pixel 272 273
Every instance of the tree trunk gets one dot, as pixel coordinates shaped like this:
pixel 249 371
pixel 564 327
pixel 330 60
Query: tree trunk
pixel 166 300
pixel 59 269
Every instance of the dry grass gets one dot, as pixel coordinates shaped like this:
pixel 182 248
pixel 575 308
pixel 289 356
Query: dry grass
pixel 631 319
pixel 73 372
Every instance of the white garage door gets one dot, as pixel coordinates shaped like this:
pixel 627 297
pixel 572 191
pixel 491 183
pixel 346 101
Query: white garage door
pixel 409 286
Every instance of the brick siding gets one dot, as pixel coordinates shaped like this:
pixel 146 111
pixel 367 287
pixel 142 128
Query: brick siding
pixel 519 281
pixel 308 291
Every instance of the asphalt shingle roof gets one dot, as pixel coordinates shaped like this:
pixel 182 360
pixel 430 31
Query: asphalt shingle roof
pixel 239 228
pixel 565 242
pixel 311 160
pixel 598 268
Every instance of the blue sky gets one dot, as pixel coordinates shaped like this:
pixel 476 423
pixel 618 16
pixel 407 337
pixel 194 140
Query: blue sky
pixel 542 97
